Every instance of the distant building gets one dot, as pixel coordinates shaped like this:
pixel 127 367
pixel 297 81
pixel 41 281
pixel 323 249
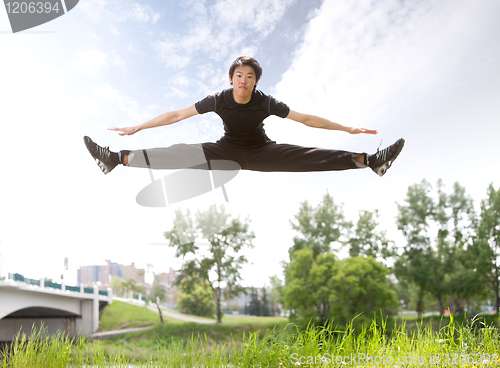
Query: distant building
pixel 131 272
pixel 167 280
pixel 237 303
pixel 102 274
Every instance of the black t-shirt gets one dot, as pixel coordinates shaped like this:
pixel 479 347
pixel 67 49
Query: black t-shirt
pixel 243 123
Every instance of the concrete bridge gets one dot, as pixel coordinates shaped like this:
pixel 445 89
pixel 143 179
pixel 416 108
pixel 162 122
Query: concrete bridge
pixel 25 303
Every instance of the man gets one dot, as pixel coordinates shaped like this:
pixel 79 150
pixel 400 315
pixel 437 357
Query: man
pixel 243 109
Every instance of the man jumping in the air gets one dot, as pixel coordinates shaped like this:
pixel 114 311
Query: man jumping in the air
pixel 243 109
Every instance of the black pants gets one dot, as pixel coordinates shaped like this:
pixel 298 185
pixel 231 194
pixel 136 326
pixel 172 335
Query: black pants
pixel 268 156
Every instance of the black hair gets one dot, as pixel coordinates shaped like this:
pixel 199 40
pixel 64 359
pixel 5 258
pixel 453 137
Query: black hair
pixel 246 60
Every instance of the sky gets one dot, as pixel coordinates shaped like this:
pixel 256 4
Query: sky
pixel 426 71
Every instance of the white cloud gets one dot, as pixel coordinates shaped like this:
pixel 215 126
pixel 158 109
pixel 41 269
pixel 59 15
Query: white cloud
pixel 94 9
pixel 221 30
pixel 116 60
pixel 116 101
pixel 90 62
pixel 176 92
pixel 258 16
pixel 359 59
pixel 115 12
pixel 137 12
pixel 180 79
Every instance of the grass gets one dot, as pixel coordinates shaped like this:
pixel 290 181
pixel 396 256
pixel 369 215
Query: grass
pixel 266 321
pixel 191 316
pixel 174 333
pixel 162 338
pixel 119 315
pixel 471 345
pixel 266 342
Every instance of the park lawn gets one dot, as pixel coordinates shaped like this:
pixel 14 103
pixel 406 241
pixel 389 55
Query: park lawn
pixel 254 320
pixel 181 338
pixel 176 333
pixel 190 315
pixel 240 319
pixel 120 315
pixel 195 345
pixel 185 336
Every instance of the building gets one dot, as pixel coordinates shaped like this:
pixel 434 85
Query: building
pixel 167 280
pixel 131 272
pixel 101 274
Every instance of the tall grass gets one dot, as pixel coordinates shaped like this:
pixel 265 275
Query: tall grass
pixel 454 345
pixel 39 350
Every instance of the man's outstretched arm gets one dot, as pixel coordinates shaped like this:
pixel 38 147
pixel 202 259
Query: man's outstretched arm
pixel 167 118
pixel 317 122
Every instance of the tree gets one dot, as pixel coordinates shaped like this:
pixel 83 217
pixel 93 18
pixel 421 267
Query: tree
pixel 116 285
pixel 318 227
pixel 157 295
pixel 367 241
pixel 456 220
pixel 264 305
pixel 124 286
pixel 431 260
pixel 254 307
pixel 200 301
pixel 306 276
pixel 325 288
pixel 219 263
pixel 485 248
pixel 360 286
pixel 307 292
pixel 277 297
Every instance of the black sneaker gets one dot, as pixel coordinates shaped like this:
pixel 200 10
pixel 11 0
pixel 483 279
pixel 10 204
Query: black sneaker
pixel 381 161
pixel 105 159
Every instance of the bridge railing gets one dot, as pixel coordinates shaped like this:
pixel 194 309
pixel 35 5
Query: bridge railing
pixel 55 285
pixel 18 277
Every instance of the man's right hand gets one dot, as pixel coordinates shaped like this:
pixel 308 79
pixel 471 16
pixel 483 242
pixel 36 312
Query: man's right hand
pixel 125 131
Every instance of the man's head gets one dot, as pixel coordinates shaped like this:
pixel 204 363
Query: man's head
pixel 242 61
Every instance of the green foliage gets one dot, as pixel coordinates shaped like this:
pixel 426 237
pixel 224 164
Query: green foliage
pixel 318 287
pixel 360 286
pixel 437 229
pixel 220 264
pixel 484 251
pixel 366 240
pixel 254 306
pixel 264 305
pixel 259 306
pixel 124 286
pixel 157 295
pixel 307 291
pixel 324 288
pixel 199 302
pixel 318 227
pixel 277 297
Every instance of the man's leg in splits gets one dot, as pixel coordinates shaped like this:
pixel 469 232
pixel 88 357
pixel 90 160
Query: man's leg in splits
pixel 265 157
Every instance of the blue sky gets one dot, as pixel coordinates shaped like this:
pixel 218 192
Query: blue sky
pixel 426 71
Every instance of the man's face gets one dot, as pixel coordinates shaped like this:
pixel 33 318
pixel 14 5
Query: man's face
pixel 244 81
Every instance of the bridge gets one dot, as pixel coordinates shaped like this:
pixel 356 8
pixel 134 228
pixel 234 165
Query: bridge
pixel 73 310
